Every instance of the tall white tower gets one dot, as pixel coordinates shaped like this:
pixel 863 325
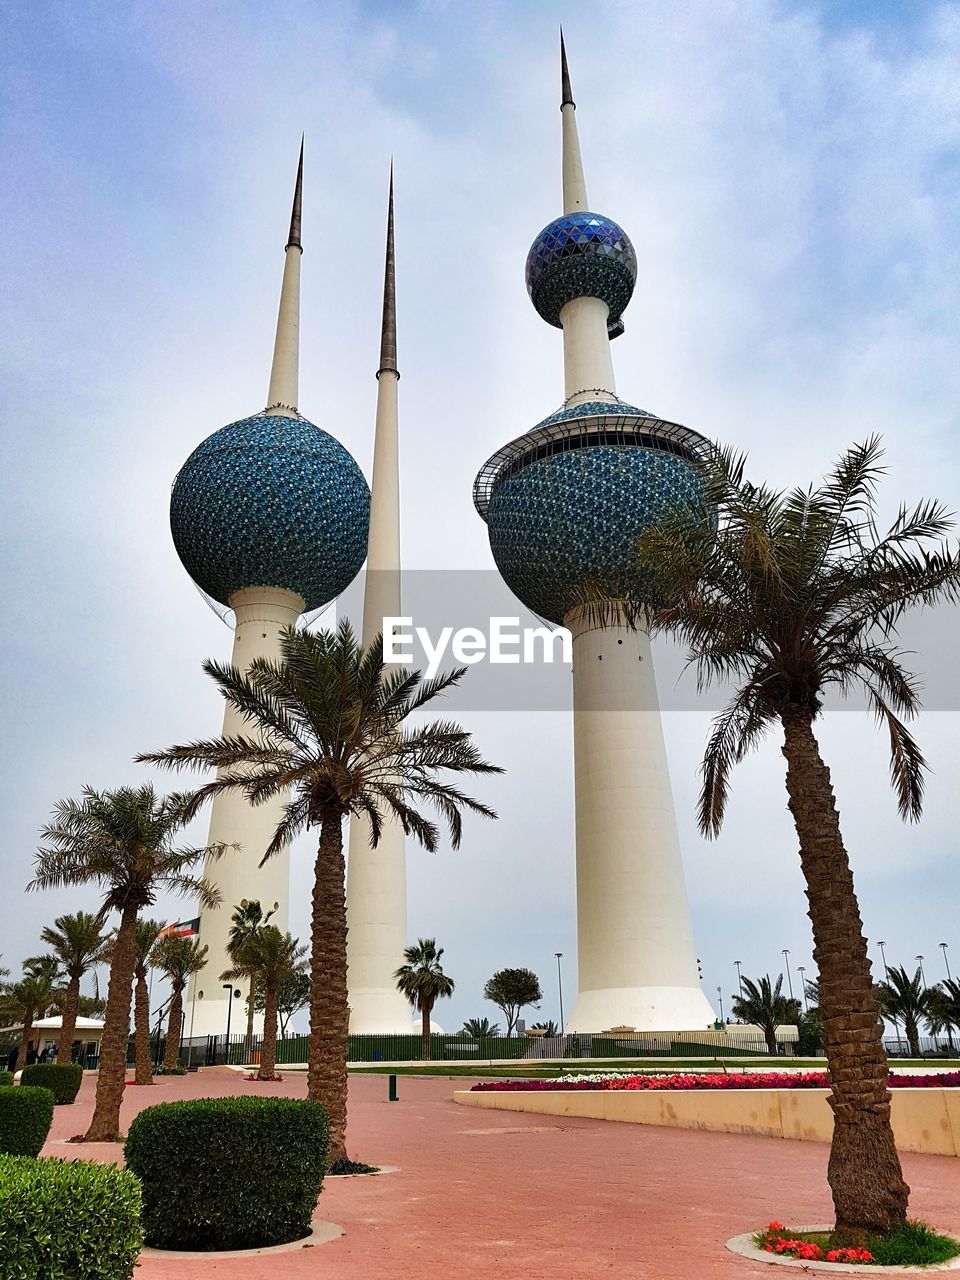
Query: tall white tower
pixel 377 878
pixel 564 505
pixel 269 516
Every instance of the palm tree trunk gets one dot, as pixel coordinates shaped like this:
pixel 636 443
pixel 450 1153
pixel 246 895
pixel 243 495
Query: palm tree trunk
pixel 251 997
pixel 770 1035
pixel 105 1125
pixel 425 1032
pixel 68 1022
pixel 869 1193
pixel 268 1052
pixel 913 1036
pixel 329 1009
pixel 25 1036
pixel 141 1032
pixel 171 1052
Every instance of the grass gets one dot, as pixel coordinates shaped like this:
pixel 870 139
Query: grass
pixel 912 1245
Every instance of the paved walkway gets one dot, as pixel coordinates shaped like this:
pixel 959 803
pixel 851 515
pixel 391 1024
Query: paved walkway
pixel 524 1197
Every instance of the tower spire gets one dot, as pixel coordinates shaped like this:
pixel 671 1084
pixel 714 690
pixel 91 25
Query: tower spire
pixel 574 184
pixel 388 328
pixel 285 372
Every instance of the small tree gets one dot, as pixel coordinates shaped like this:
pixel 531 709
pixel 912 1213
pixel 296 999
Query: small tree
pixel 511 990
pixel 293 994
pixel 79 943
pixel 481 1028
pixel 146 937
pixel 179 959
pixel 905 999
pixel 124 841
pixel 247 918
pixel 423 982
pixel 34 995
pixel 764 1004
pixel 277 957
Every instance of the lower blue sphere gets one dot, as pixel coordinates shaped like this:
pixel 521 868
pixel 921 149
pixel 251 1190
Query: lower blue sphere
pixel 271 501
pixel 572 519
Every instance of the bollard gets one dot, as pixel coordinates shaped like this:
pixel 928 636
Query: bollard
pixel 392 1095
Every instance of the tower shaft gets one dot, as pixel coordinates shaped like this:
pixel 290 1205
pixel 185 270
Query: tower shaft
pixel 261 615
pixel 284 392
pixel 636 961
pixel 377 878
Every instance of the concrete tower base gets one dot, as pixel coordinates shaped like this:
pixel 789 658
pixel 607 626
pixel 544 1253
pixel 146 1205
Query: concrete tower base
pixel 637 965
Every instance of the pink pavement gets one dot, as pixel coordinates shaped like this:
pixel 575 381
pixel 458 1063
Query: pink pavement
pixel 525 1197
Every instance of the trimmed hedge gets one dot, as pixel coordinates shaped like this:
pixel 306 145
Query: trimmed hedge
pixel 61 1078
pixel 6 1079
pixel 67 1220
pixel 25 1118
pixel 228 1173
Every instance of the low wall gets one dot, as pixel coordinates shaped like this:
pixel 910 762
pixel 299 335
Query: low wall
pixel 924 1120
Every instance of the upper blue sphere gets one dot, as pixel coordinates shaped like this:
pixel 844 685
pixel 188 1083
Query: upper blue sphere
pixel 271 501
pixel 560 520
pixel 581 255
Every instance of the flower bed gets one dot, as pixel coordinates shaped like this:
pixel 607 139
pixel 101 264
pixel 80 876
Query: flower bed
pixel 777 1239
pixel 746 1080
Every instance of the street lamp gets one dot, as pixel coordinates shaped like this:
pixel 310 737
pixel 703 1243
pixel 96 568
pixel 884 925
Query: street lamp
pixel 786 956
pixel 737 964
pixel 922 975
pixel 228 986
pixel 883 957
pixel 720 999
pixel 943 948
pixel 803 987
pixel 559 955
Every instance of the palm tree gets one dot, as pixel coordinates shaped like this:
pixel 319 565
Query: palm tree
pixel 79 943
pixel 147 933
pixel 903 998
pixel 481 1028
pixel 949 1005
pixel 276 956
pixel 764 1004
pixel 246 920
pixel 34 995
pixel 327 721
pixel 423 982
pixel 123 841
pixel 179 959
pixel 788 596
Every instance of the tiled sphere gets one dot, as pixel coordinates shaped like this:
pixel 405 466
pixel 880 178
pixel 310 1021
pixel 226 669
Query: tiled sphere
pixel 581 255
pixel 573 518
pixel 271 501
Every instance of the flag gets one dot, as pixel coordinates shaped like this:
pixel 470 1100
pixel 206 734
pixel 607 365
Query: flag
pixel 181 929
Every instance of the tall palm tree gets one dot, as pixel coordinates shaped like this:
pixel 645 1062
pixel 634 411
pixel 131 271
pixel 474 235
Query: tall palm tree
pixel 327 722
pixel 903 998
pixel 276 956
pixel 79 943
pixel 949 1005
pixel 789 596
pixel 764 1004
pixel 145 938
pixel 423 982
pixel 125 842
pixel 179 959
pixel 247 918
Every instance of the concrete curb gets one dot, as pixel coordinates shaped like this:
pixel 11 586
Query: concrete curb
pixel 321 1233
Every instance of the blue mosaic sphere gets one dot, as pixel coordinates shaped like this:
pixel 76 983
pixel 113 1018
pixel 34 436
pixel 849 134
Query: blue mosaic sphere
pixel 271 501
pixel 581 255
pixel 572 518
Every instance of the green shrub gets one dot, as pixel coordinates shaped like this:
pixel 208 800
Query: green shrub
pixel 228 1173
pixel 25 1118
pixel 61 1078
pixel 6 1079
pixel 178 1069
pixel 67 1220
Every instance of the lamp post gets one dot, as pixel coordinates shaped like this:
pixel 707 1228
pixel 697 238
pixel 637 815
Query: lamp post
pixel 923 978
pixel 803 987
pixel 786 956
pixel 228 986
pixel 720 1001
pixel 559 955
pixel 737 964
pixel 946 962
pixel 883 957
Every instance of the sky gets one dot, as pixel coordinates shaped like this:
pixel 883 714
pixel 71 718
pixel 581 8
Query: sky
pixel 789 174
